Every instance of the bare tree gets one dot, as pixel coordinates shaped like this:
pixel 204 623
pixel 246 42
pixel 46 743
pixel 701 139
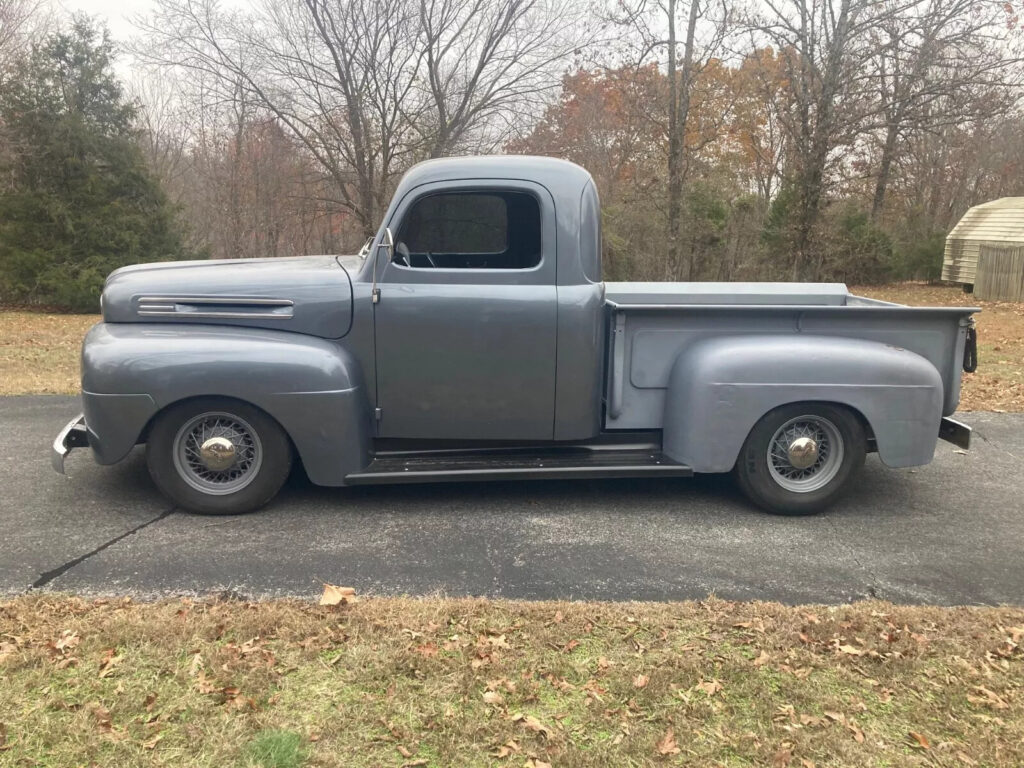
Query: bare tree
pixel 939 62
pixel 826 49
pixel 485 60
pixel 704 29
pixel 370 86
pixel 19 19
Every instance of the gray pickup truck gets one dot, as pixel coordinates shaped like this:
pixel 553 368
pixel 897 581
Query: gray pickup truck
pixel 473 339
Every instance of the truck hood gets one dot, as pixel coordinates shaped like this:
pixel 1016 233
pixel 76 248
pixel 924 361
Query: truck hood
pixel 302 294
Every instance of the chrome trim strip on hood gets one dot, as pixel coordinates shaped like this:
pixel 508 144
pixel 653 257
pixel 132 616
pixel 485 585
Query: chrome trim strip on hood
pixel 182 306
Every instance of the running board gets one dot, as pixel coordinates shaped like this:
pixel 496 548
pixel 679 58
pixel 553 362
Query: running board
pixel 513 465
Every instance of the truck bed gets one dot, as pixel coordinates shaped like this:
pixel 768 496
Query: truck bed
pixel 651 323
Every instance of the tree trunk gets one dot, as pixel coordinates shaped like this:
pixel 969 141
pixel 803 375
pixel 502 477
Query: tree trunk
pixel 675 175
pixel 884 168
pixel 678 119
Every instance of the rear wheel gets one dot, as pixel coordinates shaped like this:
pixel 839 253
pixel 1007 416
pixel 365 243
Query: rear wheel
pixel 218 456
pixel 799 458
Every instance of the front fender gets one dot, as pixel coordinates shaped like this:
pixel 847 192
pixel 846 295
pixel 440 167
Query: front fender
pixel 313 387
pixel 719 388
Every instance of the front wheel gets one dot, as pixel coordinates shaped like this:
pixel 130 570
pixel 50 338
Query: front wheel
pixel 798 459
pixel 218 456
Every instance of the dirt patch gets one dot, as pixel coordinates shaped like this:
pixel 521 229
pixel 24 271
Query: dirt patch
pixel 436 682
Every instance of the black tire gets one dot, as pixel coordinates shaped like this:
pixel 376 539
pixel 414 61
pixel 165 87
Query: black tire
pixel 255 434
pixel 765 485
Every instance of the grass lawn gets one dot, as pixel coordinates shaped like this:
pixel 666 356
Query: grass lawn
pixel 39 352
pixel 437 682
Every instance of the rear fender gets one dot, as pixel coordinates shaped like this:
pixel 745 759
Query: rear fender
pixel 719 388
pixel 312 387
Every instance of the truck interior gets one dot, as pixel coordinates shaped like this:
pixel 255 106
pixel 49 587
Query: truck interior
pixel 471 229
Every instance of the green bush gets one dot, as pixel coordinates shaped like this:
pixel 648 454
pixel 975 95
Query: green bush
pixel 81 201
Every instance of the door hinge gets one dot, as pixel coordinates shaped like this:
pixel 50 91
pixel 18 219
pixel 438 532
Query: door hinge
pixel 376 296
pixel 377 413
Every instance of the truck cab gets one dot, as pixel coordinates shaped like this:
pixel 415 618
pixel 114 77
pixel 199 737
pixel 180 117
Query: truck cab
pixel 474 339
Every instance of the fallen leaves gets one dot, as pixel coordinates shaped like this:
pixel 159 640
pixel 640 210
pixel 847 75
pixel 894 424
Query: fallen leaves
pixel 641 681
pixel 493 698
pixel 710 687
pixel 337 596
pixel 531 723
pixel 919 739
pixel 667 745
pixel 109 662
pixel 988 698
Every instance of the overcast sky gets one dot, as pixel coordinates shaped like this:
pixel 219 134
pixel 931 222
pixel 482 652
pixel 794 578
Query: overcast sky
pixel 115 12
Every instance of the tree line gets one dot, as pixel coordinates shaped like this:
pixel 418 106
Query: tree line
pixel 784 139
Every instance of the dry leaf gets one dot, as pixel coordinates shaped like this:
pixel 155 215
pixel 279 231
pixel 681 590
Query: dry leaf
pixel 403 751
pixel 762 659
pixel 532 723
pixel 427 649
pixel 710 687
pixel 964 758
pixel 667 745
pixel 783 756
pixel 506 749
pixel 849 649
pixel 858 734
pixel 151 743
pixel 806 763
pixel 494 698
pixel 921 740
pixel 102 717
pixel 641 681
pixel 334 595
pixel 416 763
pixel 989 698
pixel 110 660
pixel 149 702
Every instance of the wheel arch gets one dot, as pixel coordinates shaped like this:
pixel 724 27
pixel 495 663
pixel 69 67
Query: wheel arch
pixel 312 388
pixel 720 388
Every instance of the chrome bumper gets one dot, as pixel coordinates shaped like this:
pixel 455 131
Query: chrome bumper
pixel 955 432
pixel 74 435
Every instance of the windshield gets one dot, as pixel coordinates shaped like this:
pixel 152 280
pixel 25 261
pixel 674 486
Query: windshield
pixel 365 250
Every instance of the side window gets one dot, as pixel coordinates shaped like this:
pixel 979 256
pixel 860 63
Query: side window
pixel 471 230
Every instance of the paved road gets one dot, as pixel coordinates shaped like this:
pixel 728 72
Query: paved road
pixel 949 533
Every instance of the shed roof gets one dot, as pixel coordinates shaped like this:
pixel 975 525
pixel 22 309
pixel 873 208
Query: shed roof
pixel 999 221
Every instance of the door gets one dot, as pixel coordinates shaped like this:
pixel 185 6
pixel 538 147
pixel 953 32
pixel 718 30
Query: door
pixel 466 322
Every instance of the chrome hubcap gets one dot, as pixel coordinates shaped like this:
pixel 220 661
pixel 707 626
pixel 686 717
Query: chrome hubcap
pixel 805 454
pixel 802 452
pixel 217 453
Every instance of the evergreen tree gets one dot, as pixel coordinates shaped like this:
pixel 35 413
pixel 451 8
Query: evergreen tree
pixel 79 200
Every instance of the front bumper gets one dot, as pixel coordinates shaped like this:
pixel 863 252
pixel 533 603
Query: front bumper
pixel 74 435
pixel 955 432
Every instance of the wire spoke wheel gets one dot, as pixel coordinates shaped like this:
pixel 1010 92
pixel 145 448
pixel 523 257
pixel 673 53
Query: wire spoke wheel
pixel 217 453
pixel 805 453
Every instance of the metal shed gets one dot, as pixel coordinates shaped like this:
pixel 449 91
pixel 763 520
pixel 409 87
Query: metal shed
pixel 995 228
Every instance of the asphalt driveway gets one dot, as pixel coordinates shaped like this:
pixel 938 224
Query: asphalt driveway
pixel 948 533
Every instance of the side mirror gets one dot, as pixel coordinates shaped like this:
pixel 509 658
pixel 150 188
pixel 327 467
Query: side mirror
pixel 388 243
